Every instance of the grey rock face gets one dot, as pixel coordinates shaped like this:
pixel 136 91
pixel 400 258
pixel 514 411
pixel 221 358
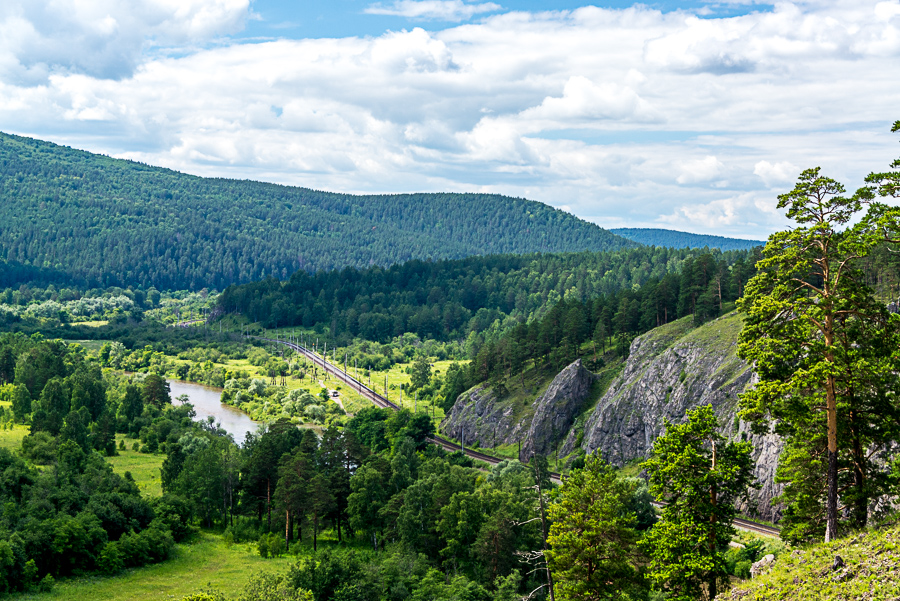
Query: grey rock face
pixel 479 420
pixel 670 371
pixel 555 411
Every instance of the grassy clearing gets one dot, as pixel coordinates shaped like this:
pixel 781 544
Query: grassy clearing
pixel 12 439
pixel 89 345
pixel 206 562
pixel 144 467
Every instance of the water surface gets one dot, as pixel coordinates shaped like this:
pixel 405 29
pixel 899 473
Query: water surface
pixel 207 401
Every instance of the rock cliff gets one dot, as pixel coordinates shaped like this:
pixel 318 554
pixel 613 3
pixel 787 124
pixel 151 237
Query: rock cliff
pixel 479 418
pixel 669 371
pixel 556 409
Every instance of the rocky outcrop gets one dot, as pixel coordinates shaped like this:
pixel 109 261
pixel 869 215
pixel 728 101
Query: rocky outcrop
pixel 479 419
pixel 670 371
pixel 556 409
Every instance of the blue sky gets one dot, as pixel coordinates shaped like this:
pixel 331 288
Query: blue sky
pixel 339 18
pixel 691 116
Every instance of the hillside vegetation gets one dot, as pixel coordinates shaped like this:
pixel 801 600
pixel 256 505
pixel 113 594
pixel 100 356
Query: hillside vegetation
pixel 106 221
pixel 451 299
pixel 676 239
pixel 869 568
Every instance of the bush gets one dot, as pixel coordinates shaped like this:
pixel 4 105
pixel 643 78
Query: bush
pixel 111 559
pixel 46 584
pixel 40 448
pixel 270 545
pixel 151 545
pixel 268 587
pixel 742 569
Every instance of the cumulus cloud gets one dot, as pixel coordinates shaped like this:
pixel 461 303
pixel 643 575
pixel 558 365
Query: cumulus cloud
pixel 776 174
pixel 439 10
pixel 699 170
pixel 621 115
pixel 103 38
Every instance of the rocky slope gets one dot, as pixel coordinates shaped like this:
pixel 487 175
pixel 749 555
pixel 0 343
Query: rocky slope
pixel 481 419
pixel 670 371
pixel 555 410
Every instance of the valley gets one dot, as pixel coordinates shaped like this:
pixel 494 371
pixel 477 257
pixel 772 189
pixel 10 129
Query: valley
pixel 419 396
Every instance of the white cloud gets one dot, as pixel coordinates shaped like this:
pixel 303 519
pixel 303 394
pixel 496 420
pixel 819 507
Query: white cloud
pixel 583 100
pixel 103 38
pixel 776 174
pixel 622 115
pixel 442 10
pixel 699 170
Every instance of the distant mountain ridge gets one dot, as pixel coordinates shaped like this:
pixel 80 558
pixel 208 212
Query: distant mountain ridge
pixel 676 239
pixel 108 222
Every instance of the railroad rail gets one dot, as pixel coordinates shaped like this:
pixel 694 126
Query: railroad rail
pixel 449 445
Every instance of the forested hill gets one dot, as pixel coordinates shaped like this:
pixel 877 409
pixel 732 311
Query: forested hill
pixel 109 222
pixel 450 300
pixel 676 239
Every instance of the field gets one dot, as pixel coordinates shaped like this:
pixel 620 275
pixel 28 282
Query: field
pixel 207 562
pixel 144 467
pixel 12 439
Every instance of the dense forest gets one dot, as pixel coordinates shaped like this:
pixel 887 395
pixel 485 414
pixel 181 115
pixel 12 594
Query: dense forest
pixel 703 289
pixel 73 514
pixel 675 239
pixel 404 519
pixel 109 222
pixel 448 300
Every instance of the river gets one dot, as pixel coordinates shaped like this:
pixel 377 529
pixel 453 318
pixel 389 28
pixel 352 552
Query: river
pixel 207 401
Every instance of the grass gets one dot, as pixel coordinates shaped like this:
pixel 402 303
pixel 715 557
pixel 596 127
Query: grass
pixel 89 345
pixel 12 439
pixel 872 571
pixel 144 467
pixel 206 562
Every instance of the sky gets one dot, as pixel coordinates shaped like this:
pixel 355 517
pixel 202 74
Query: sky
pixel 684 115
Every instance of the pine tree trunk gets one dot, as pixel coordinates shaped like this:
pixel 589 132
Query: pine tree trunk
pixel 831 501
pixel 287 528
pixel 712 519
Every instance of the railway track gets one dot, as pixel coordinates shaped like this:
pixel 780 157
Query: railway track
pixel 449 445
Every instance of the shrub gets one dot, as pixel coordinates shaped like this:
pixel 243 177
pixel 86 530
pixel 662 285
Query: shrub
pixel 111 559
pixel 40 448
pixel 271 545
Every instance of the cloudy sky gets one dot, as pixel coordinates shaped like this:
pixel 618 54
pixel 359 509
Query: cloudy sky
pixel 687 115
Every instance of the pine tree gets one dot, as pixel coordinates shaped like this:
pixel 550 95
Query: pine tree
pixel 593 541
pixel 699 475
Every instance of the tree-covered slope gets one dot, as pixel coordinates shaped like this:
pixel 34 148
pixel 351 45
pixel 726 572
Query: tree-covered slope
pixel 113 222
pixel 676 239
pixel 450 300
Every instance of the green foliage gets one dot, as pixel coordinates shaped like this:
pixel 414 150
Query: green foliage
pixel 270 545
pixel 675 239
pixel 700 476
pixel 236 231
pixel 593 539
